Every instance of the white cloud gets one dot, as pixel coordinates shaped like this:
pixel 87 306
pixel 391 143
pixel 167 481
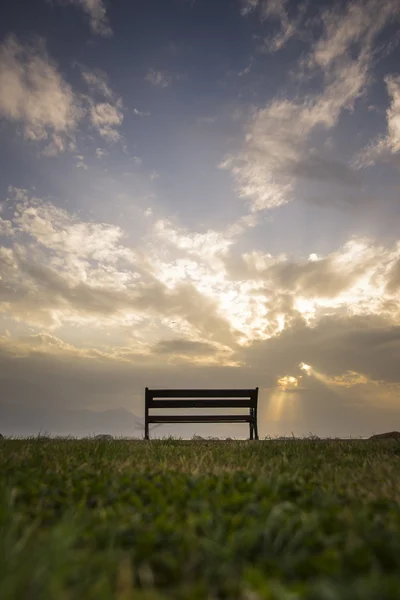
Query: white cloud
pixel 106 118
pixel 56 230
pixel 158 78
pixel 96 11
pixel 34 93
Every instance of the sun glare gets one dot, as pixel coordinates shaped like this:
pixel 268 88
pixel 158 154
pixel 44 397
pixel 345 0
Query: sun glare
pixel 287 382
pixel 306 307
pixel 281 322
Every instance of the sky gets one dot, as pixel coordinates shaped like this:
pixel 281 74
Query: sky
pixel 199 193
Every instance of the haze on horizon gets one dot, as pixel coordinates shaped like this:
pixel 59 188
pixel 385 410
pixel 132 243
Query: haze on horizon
pixel 200 194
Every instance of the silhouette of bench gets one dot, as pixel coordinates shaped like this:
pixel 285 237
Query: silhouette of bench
pixel 159 399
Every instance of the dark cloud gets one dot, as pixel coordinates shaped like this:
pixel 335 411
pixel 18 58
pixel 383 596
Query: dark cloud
pixel 314 278
pixel 393 283
pixel 182 346
pixel 316 166
pixel 368 345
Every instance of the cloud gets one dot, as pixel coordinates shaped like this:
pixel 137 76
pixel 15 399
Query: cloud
pixel 288 383
pixel 183 347
pixel 77 271
pixel 280 139
pixel 276 10
pixel 6 228
pixel 34 94
pixel 56 145
pixel 357 279
pixel 263 294
pixel 80 162
pixel 278 146
pixel 358 23
pixel 97 82
pixel 393 282
pixel 158 78
pixel 337 345
pixel 106 117
pixel 101 153
pixel 140 113
pixel 388 145
pixel 96 11
pixel 248 6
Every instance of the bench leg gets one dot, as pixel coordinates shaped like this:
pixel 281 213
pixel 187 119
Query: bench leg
pixel 255 426
pixel 251 427
pixel 146 413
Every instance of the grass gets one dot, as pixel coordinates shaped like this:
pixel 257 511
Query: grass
pixel 276 520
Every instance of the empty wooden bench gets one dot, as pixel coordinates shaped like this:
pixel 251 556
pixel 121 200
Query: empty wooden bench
pixel 156 399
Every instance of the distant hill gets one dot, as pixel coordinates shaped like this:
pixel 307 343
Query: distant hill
pixel 77 423
pixel 390 435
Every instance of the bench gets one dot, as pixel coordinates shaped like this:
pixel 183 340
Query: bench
pixel 156 399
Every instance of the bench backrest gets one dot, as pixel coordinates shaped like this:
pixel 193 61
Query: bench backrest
pixel 201 398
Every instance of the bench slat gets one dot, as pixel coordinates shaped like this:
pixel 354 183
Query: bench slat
pixel 200 419
pixel 201 393
pixel 243 403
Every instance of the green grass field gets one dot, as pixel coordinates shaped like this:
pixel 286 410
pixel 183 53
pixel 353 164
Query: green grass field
pixel 205 519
